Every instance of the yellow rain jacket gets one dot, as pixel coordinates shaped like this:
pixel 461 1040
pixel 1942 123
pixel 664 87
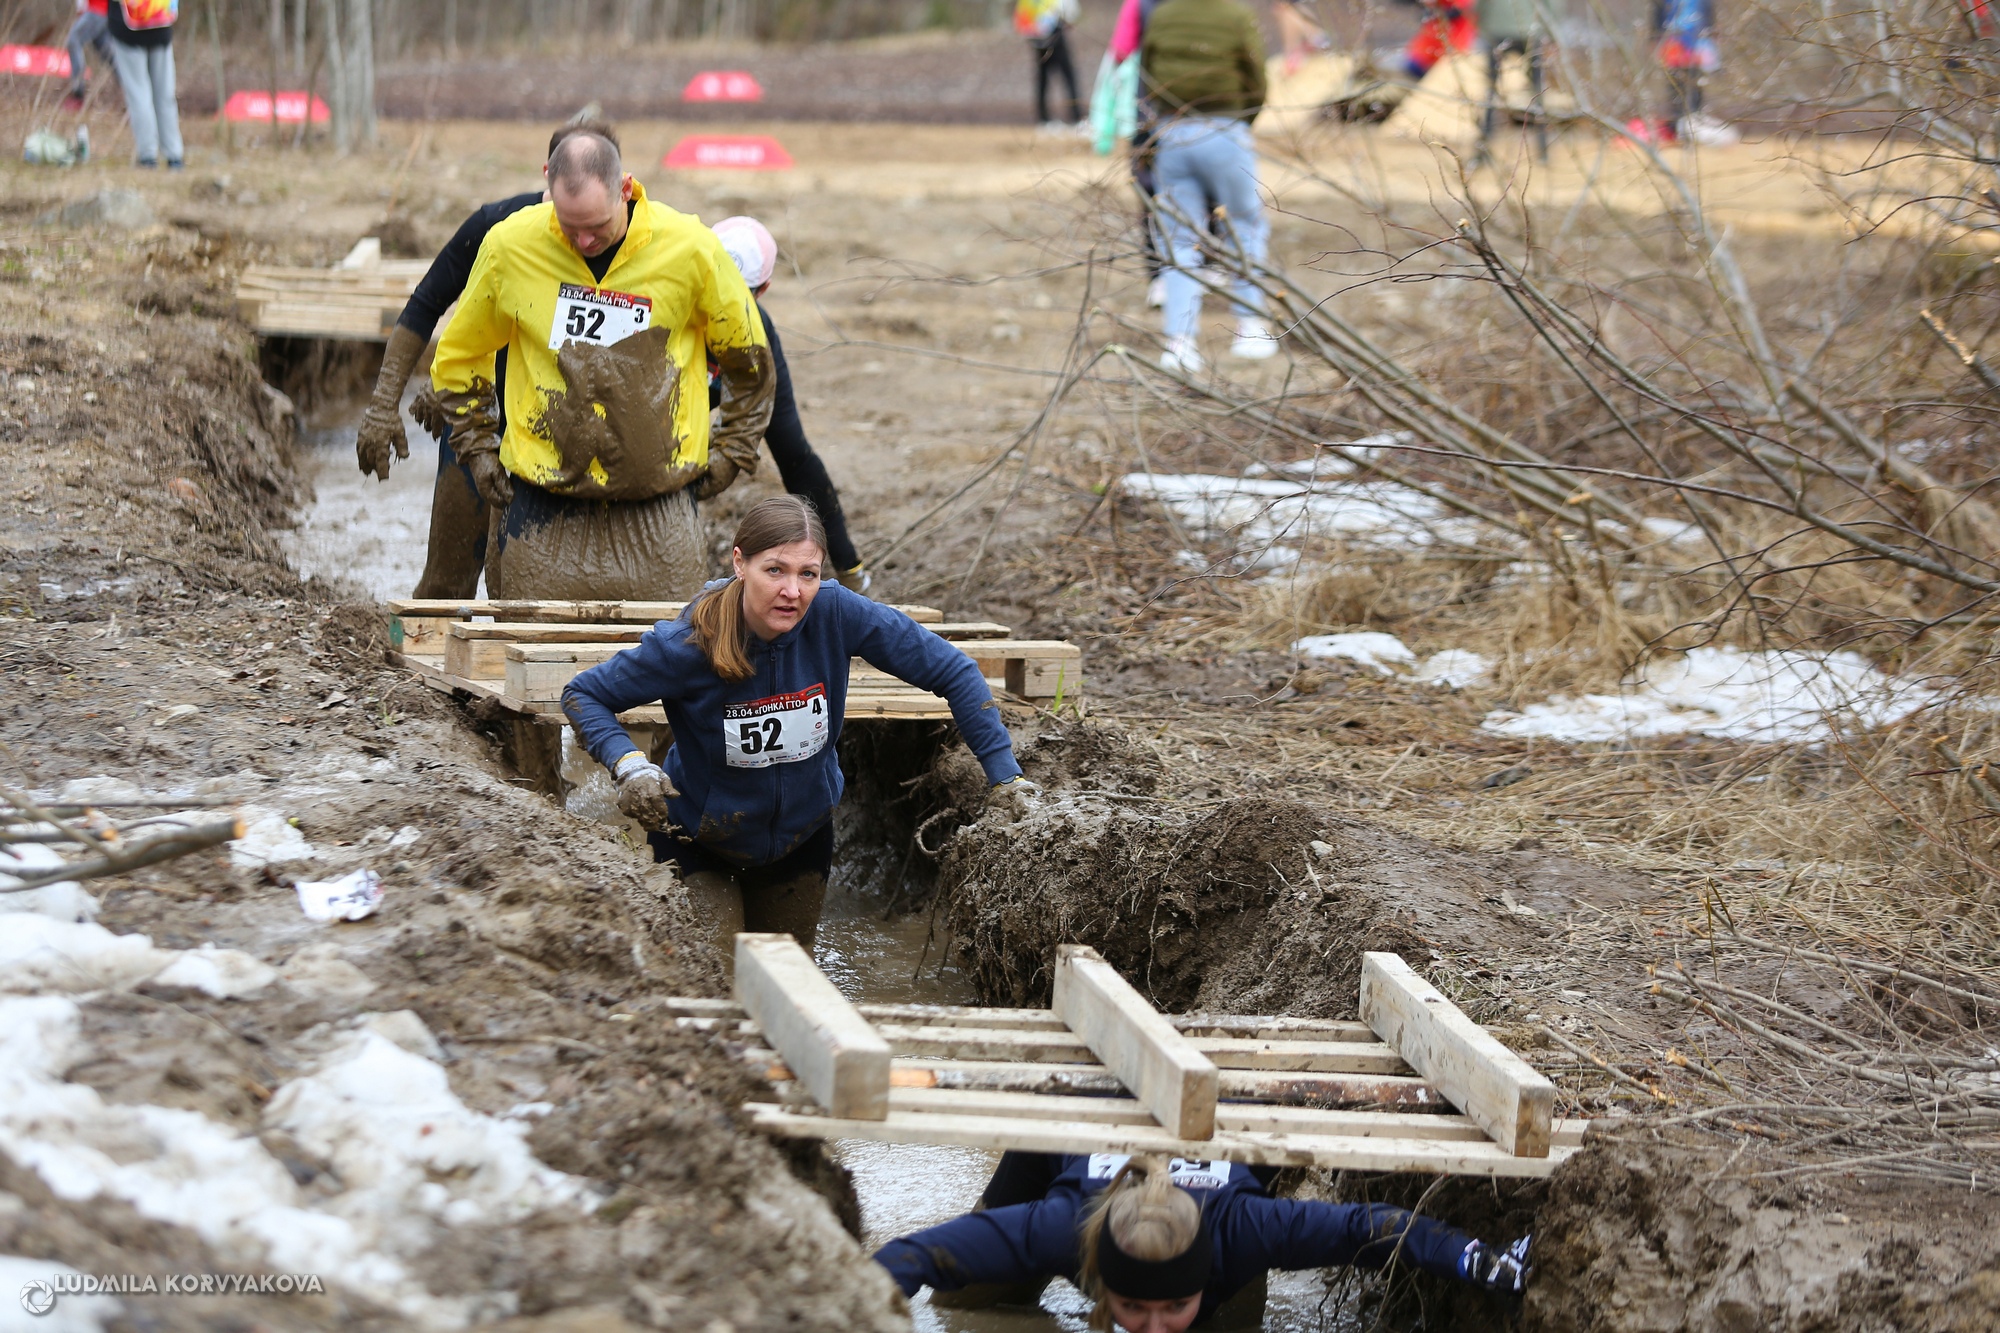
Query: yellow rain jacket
pixel 607 381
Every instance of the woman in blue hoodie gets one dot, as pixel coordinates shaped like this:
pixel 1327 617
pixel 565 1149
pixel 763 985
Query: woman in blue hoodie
pixel 1161 1244
pixel 753 677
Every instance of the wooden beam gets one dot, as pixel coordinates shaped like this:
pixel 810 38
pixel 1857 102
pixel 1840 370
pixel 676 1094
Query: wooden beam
pixel 1349 1152
pixel 1499 1090
pixel 838 1058
pixel 1270 1026
pixel 1174 1081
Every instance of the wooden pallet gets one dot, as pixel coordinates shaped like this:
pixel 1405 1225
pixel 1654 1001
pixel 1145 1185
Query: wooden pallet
pixel 351 303
pixel 1416 1086
pixel 525 657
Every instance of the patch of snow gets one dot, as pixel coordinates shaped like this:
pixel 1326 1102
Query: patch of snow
pixel 70 1314
pixel 1730 693
pixel 1454 668
pixel 1370 648
pixel 1255 514
pixel 1671 530
pixel 65 900
pixel 39 953
pixel 268 839
pixel 413 1159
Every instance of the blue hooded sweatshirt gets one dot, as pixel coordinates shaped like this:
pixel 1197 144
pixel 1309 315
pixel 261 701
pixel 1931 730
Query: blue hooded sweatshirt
pixel 755 759
pixel 1252 1234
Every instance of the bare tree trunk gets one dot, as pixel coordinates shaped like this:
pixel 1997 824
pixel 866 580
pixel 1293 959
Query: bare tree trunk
pixel 338 105
pixel 670 22
pixel 361 68
pixel 451 29
pixel 221 83
pixel 479 29
pixel 277 36
pixel 299 12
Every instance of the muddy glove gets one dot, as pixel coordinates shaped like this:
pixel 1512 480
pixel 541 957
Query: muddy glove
pixel 643 790
pixel 1505 1270
pixel 382 424
pixel 474 416
pixel 721 475
pixel 1016 798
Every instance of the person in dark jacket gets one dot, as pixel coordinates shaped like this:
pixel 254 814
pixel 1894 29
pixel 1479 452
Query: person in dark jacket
pixel 1160 1245
pixel 753 678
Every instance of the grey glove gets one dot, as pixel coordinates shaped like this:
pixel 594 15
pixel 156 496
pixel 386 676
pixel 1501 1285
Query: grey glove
pixel 489 477
pixel 721 475
pixel 643 790
pixel 1016 798
pixel 382 424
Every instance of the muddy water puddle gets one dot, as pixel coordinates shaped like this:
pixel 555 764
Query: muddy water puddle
pixel 371 533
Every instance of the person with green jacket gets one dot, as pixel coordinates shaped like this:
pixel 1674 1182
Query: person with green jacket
pixel 1513 27
pixel 1202 67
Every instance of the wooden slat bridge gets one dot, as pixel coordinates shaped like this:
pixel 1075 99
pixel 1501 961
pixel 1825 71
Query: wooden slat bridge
pixel 521 655
pixel 1414 1086
pixel 352 303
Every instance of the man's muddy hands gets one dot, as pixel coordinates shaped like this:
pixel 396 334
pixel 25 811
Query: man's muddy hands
pixel 1496 1269
pixel 490 479
pixel 721 475
pixel 1014 798
pixel 643 790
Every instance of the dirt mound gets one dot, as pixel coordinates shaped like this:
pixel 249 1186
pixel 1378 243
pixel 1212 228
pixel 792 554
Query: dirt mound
pixel 1657 1232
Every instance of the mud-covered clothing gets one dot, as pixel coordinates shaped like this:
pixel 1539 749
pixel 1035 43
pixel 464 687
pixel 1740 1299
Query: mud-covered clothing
pixel 799 468
pixel 1252 1233
pixel 606 393
pixel 1203 58
pixel 457 548
pixel 550 547
pixel 755 759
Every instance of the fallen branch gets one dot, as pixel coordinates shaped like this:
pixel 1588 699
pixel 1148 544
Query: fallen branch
pixel 150 852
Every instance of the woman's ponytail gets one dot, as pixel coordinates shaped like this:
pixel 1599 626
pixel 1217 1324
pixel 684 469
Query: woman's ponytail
pixel 1149 1218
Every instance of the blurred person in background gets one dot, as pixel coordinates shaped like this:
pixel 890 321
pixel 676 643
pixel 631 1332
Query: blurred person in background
pixel 1512 27
pixel 1202 63
pixel 1045 23
pixel 142 54
pixel 1446 28
pixel 92 29
pixel 1299 35
pixel 1685 32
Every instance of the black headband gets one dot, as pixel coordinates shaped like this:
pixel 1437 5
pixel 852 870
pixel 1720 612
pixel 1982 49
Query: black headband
pixel 1184 1275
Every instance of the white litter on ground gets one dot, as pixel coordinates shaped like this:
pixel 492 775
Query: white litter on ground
pixel 1265 520
pixel 269 839
pixel 1730 693
pixel 355 895
pixel 40 953
pixel 1454 668
pixel 413 1159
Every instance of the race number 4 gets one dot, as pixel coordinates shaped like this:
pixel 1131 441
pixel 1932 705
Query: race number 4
pixel 596 315
pixel 782 729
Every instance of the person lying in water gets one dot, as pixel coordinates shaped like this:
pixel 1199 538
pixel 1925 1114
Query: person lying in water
pixel 1160 1244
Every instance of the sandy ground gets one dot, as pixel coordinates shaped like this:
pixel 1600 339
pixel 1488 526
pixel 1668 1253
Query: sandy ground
pixel 925 295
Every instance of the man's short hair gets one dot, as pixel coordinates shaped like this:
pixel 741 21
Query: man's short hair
pixel 586 157
pixel 603 129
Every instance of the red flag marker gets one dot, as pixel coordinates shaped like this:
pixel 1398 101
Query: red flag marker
pixel 255 106
pixel 741 152
pixel 41 61
pixel 722 85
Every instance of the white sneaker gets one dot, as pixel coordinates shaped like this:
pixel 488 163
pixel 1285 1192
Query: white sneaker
pixel 1254 341
pixel 1702 128
pixel 1156 293
pixel 1182 355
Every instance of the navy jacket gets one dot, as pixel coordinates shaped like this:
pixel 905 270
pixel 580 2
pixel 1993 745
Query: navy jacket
pixel 754 760
pixel 1253 1233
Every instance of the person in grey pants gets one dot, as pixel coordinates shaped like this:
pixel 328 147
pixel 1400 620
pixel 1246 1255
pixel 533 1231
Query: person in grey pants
pixel 91 29
pixel 144 60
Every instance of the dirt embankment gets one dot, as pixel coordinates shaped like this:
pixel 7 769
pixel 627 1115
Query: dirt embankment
pixel 150 634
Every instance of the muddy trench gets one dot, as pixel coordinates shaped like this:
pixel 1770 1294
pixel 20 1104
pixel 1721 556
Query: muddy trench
pixel 532 951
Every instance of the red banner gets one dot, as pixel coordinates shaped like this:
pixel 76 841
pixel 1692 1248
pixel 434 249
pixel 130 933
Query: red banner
pixel 256 106
pixel 739 152
pixel 44 61
pixel 722 85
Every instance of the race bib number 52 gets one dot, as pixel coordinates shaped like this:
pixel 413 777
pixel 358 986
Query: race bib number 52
pixel 597 315
pixel 782 729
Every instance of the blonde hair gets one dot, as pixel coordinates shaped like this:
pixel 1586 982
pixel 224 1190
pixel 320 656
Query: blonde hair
pixel 1150 1218
pixel 720 630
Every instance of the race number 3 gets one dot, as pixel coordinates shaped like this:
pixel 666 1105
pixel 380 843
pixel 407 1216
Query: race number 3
pixel 782 729
pixel 597 315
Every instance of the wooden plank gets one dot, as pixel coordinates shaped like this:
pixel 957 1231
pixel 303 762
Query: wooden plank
pixel 1174 1081
pixel 479 648
pixel 1489 1083
pixel 969 1015
pixel 971 629
pixel 1352 1152
pixel 838 1058
pixel 615 611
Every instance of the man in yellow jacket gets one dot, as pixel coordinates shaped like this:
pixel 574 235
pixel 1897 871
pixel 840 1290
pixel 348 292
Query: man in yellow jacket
pixel 610 307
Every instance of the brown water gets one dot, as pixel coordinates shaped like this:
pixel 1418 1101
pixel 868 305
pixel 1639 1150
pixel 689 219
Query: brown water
pixel 373 535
